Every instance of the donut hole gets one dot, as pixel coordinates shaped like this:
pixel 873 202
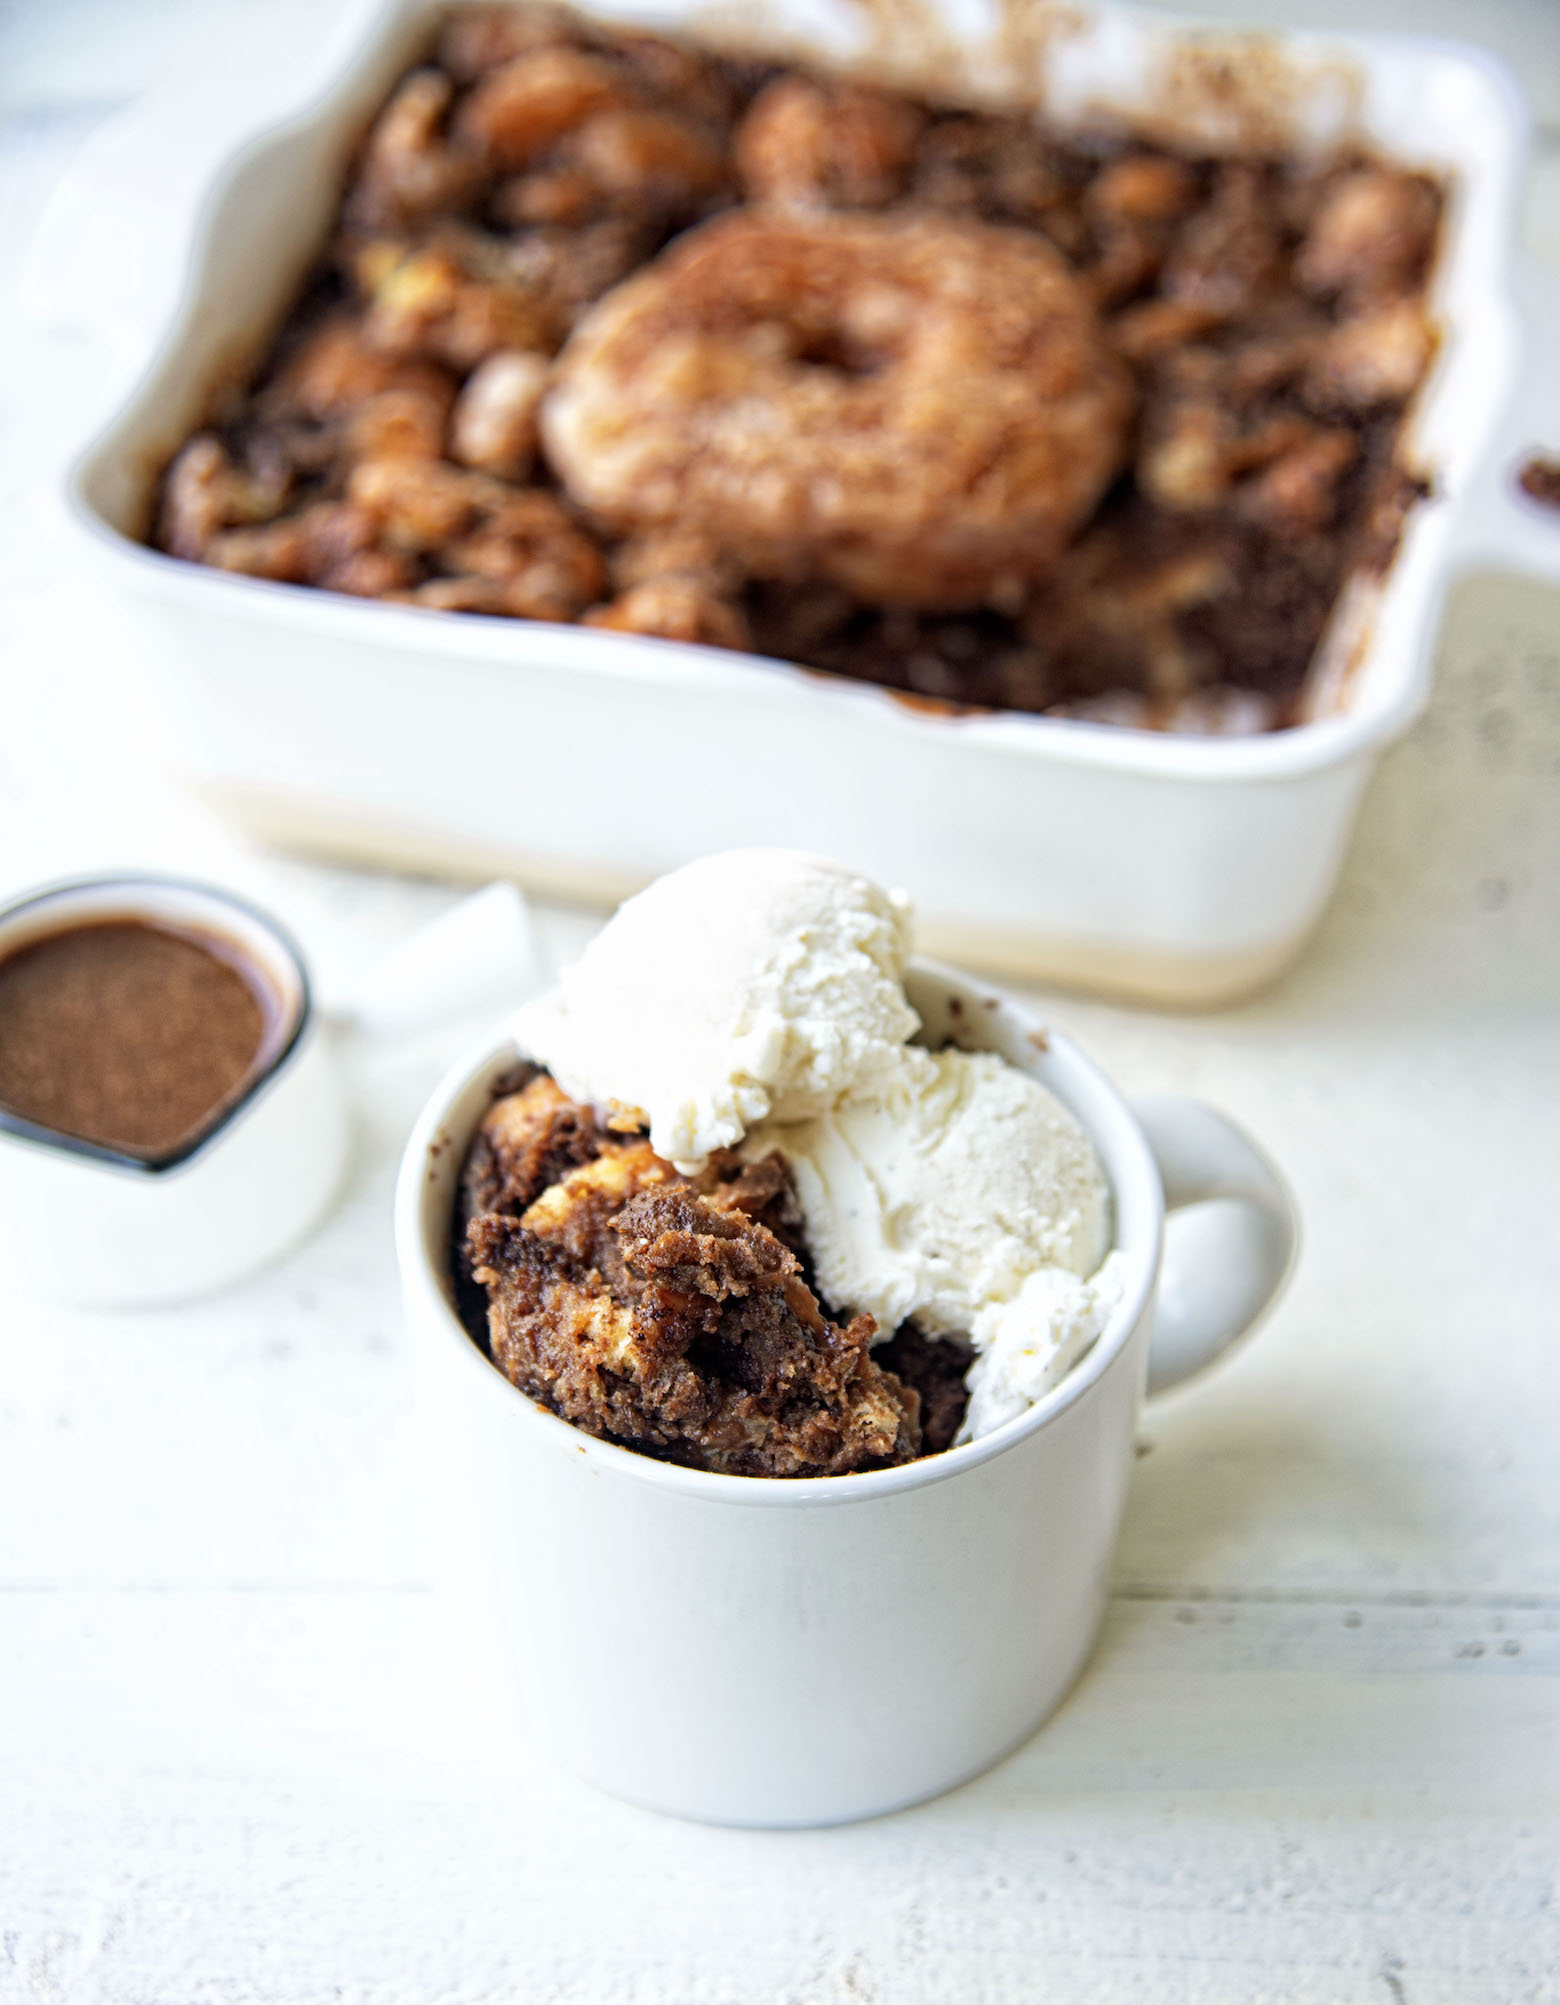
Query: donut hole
pixel 835 349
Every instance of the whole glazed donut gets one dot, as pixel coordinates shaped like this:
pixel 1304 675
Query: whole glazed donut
pixel 920 411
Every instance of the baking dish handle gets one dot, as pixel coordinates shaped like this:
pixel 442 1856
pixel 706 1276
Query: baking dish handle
pixel 1231 1236
pixel 1503 528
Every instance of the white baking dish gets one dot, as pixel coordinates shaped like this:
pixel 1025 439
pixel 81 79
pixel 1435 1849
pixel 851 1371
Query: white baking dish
pixel 1170 867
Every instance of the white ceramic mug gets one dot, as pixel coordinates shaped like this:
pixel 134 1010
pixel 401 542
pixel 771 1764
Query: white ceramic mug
pixel 99 1226
pixel 786 1653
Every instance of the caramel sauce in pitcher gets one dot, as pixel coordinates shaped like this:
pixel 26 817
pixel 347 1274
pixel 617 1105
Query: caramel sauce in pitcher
pixel 129 1033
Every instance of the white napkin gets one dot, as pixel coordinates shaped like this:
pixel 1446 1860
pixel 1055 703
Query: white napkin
pixel 483 950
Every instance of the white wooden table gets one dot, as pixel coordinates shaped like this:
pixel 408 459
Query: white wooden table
pixel 251 1743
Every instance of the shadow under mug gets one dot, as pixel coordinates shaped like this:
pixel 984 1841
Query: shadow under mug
pixel 774 1653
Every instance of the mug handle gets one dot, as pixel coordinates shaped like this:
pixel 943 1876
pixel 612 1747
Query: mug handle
pixel 1231 1236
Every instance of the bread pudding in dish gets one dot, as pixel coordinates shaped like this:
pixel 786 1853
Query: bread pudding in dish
pixel 619 330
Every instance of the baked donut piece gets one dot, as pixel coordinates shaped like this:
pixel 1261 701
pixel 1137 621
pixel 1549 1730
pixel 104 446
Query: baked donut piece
pixel 922 411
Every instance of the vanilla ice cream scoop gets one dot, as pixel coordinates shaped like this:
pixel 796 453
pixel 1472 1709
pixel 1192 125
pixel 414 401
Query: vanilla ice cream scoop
pixel 757 984
pixel 757 997
pixel 1030 1343
pixel 940 1189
